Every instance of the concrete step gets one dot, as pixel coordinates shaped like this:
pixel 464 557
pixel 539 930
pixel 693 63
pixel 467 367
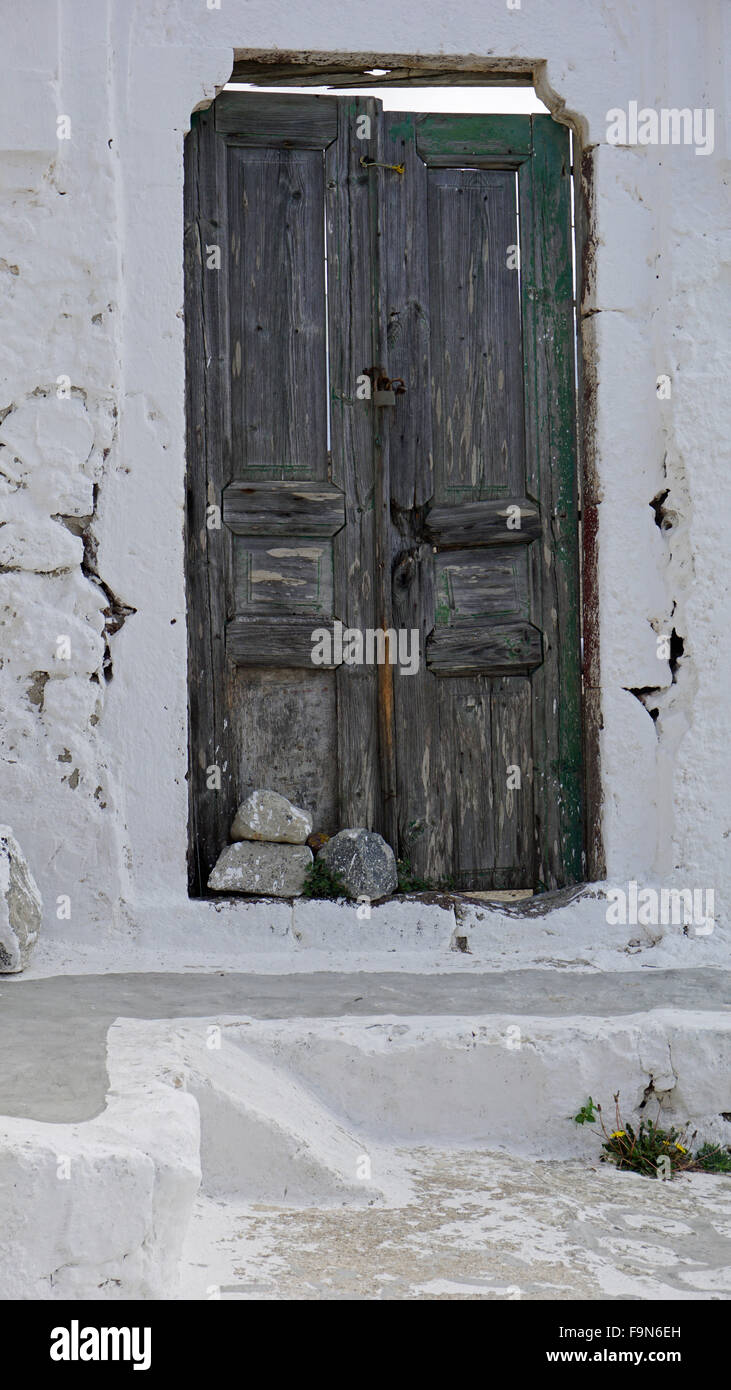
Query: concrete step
pixel 316 1111
pixel 55 1029
pixel 266 1136
pixel 505 1081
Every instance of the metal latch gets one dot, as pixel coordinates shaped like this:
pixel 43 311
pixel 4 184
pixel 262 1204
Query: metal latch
pixel 385 388
pixel 376 164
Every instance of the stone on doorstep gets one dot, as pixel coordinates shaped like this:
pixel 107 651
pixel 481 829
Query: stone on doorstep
pixel 20 906
pixel 268 816
pixel 363 862
pixel 269 870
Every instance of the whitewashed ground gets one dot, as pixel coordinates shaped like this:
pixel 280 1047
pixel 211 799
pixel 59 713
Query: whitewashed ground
pixel 478 1226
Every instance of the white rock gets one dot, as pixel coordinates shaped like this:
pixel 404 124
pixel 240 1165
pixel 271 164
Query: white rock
pixel 269 870
pixel 44 547
pixel 20 906
pixel 45 431
pixel 268 816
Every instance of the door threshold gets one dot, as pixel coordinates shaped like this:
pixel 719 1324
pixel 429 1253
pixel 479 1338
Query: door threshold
pixel 498 895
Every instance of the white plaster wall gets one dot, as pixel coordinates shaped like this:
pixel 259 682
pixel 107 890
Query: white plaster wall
pixel 91 287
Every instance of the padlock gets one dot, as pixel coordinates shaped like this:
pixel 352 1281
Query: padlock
pixel 385 390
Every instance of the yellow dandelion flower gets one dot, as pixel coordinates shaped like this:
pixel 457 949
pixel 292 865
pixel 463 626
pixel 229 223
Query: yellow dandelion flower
pixel 619 1134
pixel 682 1150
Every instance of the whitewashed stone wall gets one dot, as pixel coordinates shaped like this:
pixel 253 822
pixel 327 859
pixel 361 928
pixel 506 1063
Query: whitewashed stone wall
pixel 92 613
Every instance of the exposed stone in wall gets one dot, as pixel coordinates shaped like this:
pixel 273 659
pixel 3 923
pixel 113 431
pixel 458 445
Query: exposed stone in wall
pixel 59 403
pixel 57 616
pixel 20 905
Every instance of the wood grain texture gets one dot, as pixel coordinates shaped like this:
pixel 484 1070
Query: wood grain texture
pixel 354 74
pixel 465 764
pixel 488 649
pixel 350 292
pixel 589 500
pixel 484 523
pixel 277 313
pixel 382 240
pixel 420 814
pixel 263 209
pixel 477 370
pixel 548 344
pixel 479 141
pixel 476 453
pixel 274 641
pixel 294 122
pixel 212 737
pixel 510 702
pixel 481 586
pixel 403 522
pixel 276 509
pixel 289 717
pixel 283 574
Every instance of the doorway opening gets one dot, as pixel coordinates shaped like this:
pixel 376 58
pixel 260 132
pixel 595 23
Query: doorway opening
pixel 383 444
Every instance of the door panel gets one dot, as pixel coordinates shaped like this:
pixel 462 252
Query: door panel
pixel 289 716
pixel 277 313
pixel 452 512
pixel 474 311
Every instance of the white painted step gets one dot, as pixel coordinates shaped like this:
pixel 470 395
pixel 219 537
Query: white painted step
pixel 265 1136
pixel 499 1080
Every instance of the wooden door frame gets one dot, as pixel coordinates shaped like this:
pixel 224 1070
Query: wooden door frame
pixel 340 73
pixel 211 763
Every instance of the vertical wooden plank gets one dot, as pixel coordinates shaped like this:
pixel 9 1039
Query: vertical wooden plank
pixel 589 497
pixel 479 452
pixel 475 327
pixel 381 237
pixel 466 222
pixel 512 741
pixel 212 740
pixel 547 304
pixel 277 308
pixel 407 319
pixel 467 737
pixel 278 371
pixel 352 465
pixel 419 828
pixel 420 831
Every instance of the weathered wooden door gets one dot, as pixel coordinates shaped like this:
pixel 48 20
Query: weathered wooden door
pixel 325 239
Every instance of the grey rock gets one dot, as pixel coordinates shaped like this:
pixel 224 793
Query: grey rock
pixel 363 862
pixel 269 871
pixel 20 906
pixel 268 816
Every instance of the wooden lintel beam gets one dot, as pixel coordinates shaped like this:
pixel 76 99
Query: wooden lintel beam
pixel 316 75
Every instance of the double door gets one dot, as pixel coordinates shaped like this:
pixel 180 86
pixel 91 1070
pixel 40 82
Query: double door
pixel 332 249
